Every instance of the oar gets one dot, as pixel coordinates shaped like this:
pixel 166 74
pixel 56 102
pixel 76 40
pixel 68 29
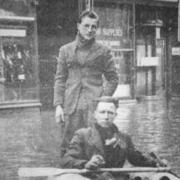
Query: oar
pixel 48 171
pixel 161 162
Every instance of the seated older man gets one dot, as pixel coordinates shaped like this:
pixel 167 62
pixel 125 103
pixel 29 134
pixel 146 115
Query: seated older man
pixel 103 145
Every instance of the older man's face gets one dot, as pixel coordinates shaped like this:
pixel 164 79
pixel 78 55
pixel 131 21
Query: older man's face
pixel 105 114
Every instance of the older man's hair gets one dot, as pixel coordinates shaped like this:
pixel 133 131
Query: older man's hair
pixel 88 13
pixel 107 99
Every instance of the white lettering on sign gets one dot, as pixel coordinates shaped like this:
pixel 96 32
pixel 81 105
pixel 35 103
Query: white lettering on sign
pixel 110 32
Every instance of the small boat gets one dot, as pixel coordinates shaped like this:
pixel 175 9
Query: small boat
pixel 154 176
pixel 134 173
pixel 132 176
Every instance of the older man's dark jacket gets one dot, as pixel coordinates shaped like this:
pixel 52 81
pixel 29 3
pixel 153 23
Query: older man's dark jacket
pixel 88 142
pixel 75 78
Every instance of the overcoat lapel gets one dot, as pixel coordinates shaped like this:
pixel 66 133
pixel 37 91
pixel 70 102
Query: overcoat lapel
pixel 73 54
pixel 94 52
pixel 96 141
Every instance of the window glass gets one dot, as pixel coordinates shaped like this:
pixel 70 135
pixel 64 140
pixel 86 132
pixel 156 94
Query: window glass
pixel 116 32
pixel 18 64
pixel 16 7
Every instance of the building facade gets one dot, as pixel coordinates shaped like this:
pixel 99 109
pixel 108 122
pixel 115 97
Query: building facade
pixel 142 34
pixel 19 82
pixel 143 39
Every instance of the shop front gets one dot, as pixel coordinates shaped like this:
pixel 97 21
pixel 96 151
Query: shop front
pixel 156 34
pixel 18 54
pixel 116 31
pixel 141 35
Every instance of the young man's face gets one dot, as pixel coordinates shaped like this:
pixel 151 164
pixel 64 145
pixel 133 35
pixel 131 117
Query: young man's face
pixel 88 27
pixel 105 113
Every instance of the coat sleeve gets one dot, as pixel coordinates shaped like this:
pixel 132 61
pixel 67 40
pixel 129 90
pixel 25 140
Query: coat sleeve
pixel 75 156
pixel 110 74
pixel 60 78
pixel 137 158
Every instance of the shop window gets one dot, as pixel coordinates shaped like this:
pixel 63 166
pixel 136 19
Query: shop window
pixel 116 32
pixel 17 7
pixel 18 62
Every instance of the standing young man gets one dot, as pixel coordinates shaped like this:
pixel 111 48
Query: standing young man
pixel 79 77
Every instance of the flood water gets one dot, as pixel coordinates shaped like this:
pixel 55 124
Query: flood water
pixel 31 139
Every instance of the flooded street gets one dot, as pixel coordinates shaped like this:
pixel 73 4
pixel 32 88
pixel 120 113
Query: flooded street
pixel 34 142
pixel 154 126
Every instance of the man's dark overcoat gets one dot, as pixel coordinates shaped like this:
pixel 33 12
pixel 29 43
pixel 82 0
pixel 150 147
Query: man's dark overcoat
pixel 88 142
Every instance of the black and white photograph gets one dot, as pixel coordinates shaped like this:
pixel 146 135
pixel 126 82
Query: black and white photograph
pixel 89 89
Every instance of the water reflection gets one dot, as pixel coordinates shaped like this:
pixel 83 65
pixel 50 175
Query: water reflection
pixel 154 126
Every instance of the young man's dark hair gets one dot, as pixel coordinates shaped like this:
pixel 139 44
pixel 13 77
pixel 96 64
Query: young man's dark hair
pixel 90 14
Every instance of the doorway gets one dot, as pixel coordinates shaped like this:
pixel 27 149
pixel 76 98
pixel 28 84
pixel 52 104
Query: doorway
pixel 150 51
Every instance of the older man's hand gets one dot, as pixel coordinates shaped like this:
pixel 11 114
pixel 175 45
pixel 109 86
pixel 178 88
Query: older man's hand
pixel 95 162
pixel 159 162
pixel 162 163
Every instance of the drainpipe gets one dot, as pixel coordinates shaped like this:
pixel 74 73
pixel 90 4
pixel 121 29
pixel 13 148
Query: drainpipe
pixel 134 71
pixel 90 5
pixel 179 20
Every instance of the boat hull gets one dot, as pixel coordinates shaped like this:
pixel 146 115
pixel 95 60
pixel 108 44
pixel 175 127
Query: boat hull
pixel 132 176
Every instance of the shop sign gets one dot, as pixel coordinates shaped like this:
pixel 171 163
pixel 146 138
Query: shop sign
pixel 149 61
pixel 13 32
pixel 118 32
pixel 176 51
